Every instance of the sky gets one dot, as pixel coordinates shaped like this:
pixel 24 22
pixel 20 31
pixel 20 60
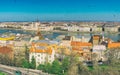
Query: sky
pixel 53 10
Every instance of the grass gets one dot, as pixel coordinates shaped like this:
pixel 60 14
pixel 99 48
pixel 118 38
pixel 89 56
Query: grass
pixel 101 66
pixel 2 73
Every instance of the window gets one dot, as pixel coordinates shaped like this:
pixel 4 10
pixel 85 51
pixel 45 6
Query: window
pixel 50 61
pixel 50 56
pixel 38 62
pixel 38 55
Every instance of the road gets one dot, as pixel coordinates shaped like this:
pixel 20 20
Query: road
pixel 11 70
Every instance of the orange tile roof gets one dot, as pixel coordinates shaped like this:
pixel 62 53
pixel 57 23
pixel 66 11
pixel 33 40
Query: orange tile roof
pixel 114 45
pixel 48 50
pixel 77 48
pixel 40 44
pixel 76 43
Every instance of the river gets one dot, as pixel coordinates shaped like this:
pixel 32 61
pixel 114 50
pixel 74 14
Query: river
pixel 53 35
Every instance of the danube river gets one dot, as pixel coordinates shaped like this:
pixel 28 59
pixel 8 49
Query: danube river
pixel 53 35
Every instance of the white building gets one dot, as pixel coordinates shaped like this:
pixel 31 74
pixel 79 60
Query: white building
pixel 99 50
pixel 43 51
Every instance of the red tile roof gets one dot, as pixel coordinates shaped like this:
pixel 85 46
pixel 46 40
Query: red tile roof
pixel 5 50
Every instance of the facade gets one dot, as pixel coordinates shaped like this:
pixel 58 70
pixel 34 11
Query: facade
pixel 99 50
pixel 43 51
pixel 96 39
pixel 82 49
pixel 31 26
pixel 46 28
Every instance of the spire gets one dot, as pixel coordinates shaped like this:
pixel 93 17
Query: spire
pixel 38 30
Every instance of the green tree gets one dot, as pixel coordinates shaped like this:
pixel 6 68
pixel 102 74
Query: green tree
pixel 41 67
pixel 26 52
pixel 56 68
pixel 65 64
pixel 47 67
pixel 25 63
pixel 33 63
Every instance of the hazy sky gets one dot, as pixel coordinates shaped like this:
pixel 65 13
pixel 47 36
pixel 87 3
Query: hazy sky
pixel 30 10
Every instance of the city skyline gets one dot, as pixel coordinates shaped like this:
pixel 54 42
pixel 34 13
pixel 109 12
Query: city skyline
pixel 82 10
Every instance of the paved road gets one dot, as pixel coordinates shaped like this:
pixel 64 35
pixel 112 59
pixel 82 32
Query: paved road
pixel 11 70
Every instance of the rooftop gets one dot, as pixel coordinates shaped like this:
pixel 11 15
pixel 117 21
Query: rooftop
pixel 113 44
pixel 46 41
pixel 34 50
pixel 76 43
pixel 5 50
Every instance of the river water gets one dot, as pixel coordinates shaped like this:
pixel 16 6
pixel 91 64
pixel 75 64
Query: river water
pixel 114 37
pixel 53 35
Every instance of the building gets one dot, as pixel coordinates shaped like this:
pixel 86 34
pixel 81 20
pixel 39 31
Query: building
pixel 111 28
pixel 7 52
pixel 99 50
pixel 82 48
pixel 113 45
pixel 43 51
pixel 96 39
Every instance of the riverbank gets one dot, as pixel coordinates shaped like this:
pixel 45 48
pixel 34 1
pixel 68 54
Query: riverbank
pixel 63 31
pixel 81 32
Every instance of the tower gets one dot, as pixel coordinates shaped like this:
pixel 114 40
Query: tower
pixel 103 31
pixel 38 33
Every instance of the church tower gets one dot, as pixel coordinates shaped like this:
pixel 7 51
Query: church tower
pixel 38 33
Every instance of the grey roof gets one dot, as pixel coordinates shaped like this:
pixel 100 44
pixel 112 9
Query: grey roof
pixel 41 47
pixel 46 41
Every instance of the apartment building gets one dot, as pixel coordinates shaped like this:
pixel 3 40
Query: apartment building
pixel 43 51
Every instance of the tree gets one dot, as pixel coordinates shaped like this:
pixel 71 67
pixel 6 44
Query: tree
pixel 25 63
pixel 6 60
pixel 41 67
pixel 45 67
pixel 48 67
pixel 82 69
pixel 33 63
pixel 113 56
pixel 56 68
pixel 65 64
pixel 113 61
pixel 26 52
pixel 73 70
pixel 73 67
